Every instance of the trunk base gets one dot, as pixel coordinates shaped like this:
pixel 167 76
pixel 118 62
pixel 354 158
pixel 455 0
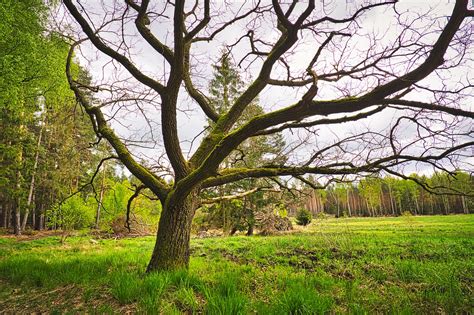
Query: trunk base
pixel 171 250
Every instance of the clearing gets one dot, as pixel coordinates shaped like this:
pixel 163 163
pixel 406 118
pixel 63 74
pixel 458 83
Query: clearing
pixel 354 265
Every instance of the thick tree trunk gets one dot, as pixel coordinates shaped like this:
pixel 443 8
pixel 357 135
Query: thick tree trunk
pixel 174 230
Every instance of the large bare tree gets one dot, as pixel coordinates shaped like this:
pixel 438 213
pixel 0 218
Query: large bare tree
pixel 321 67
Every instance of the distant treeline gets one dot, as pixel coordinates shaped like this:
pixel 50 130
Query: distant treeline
pixel 382 196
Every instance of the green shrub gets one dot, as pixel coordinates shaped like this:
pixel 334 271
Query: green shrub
pixel 74 213
pixel 304 217
pixel 321 215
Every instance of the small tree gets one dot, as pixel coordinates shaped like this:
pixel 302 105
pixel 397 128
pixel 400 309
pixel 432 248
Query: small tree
pixel 303 217
pixel 239 215
pixel 73 214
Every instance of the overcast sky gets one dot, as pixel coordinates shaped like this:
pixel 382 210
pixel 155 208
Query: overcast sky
pixel 379 22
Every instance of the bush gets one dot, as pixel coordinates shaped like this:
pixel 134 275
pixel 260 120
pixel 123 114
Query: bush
pixel 74 213
pixel 321 215
pixel 303 217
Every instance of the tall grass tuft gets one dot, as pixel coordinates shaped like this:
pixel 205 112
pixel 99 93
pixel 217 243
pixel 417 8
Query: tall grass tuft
pixel 300 299
pixel 225 298
pixel 126 287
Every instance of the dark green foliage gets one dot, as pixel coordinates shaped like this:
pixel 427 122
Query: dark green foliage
pixel 239 215
pixel 44 139
pixel 226 85
pixel 304 217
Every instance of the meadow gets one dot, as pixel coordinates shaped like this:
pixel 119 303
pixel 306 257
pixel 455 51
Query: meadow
pixel 398 265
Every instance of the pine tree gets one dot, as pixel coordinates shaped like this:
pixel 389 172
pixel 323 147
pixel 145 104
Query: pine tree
pixel 225 88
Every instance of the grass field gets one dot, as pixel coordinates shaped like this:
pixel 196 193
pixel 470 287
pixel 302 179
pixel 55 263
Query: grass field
pixel 370 265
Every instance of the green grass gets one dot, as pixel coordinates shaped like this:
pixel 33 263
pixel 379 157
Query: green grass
pixel 364 265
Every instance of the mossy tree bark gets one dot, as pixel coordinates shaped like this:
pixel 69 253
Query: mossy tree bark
pixel 173 237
